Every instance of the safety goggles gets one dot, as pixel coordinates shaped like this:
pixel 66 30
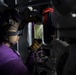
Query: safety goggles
pixel 19 32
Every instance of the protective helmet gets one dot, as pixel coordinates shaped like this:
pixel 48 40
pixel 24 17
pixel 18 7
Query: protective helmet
pixel 9 25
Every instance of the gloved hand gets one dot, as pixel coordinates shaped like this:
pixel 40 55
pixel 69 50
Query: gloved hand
pixel 36 45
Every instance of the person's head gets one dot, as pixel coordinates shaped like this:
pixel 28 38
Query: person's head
pixel 9 26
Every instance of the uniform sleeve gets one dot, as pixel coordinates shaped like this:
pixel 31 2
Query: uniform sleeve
pixel 30 61
pixel 14 67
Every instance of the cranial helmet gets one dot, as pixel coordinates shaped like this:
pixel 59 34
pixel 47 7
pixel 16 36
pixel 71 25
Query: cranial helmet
pixel 9 24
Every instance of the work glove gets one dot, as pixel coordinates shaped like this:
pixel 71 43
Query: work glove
pixel 36 45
